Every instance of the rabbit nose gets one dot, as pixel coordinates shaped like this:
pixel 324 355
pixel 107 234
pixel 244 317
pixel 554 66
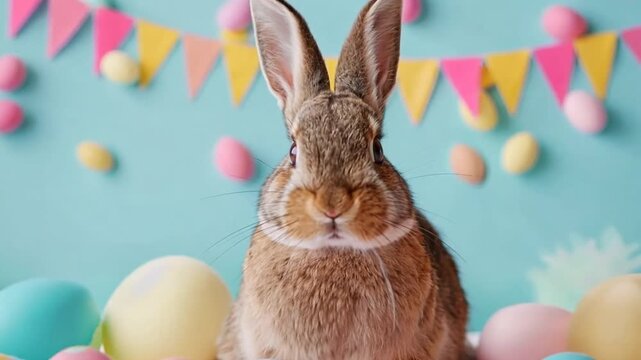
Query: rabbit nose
pixel 332 214
pixel 333 201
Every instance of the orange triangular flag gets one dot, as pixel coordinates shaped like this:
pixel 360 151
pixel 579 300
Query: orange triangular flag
pixel 596 55
pixel 416 80
pixel 242 64
pixel 200 57
pixel 155 43
pixel 509 71
pixel 331 64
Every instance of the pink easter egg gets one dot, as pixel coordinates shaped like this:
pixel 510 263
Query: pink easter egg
pixel 233 159
pixel 563 23
pixel 11 116
pixel 12 73
pixel 80 353
pixel 234 15
pixel 411 10
pixel 585 112
pixel 525 332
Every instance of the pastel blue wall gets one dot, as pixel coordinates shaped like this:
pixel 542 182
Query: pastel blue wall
pixel 59 220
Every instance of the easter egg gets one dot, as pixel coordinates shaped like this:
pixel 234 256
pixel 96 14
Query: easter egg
pixel 234 15
pixel 569 356
pixel 80 353
pixel 7 357
pixel 520 153
pixel 119 67
pixel 411 11
pixel 607 322
pixel 11 116
pixel 585 112
pixel 524 332
pixel 487 117
pixel 238 36
pixel 170 307
pixel 233 159
pixel 467 164
pixel 563 23
pixel 94 156
pixel 40 317
pixel 13 72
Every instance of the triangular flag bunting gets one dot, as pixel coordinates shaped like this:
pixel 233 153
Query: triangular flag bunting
pixel 632 38
pixel 465 76
pixel 65 19
pixel 416 80
pixel 557 64
pixel 242 65
pixel 509 71
pixel 20 11
pixel 200 57
pixel 331 64
pixel 111 30
pixel 596 55
pixel 155 43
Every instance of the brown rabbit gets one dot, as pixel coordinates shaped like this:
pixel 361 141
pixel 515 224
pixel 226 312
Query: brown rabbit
pixel 342 265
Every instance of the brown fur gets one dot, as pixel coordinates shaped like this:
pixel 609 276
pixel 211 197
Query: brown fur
pixel 378 298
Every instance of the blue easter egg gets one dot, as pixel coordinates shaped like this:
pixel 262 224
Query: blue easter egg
pixel 40 317
pixel 569 356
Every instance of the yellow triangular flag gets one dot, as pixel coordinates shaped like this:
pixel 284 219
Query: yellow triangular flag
pixel 416 80
pixel 154 45
pixel 509 71
pixel 596 54
pixel 242 64
pixel 331 64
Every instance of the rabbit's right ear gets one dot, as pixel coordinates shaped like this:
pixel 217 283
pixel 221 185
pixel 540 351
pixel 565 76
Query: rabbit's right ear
pixel 289 56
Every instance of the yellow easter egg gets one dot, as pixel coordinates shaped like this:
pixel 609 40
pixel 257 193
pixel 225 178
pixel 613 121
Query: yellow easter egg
pixel 240 36
pixel 119 67
pixel 170 307
pixel 94 156
pixel 607 323
pixel 487 118
pixel 520 153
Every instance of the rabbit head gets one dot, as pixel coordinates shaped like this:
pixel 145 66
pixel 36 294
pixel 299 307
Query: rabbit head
pixel 335 188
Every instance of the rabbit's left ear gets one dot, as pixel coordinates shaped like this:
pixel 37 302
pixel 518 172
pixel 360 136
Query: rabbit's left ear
pixel 289 56
pixel 369 59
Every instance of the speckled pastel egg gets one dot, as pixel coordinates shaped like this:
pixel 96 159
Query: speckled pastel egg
pixel 118 67
pixel 524 332
pixel 467 164
pixel 607 322
pixel 569 356
pixel 170 307
pixel 40 317
pixel 233 159
pixel 520 153
pixel 80 353
pixel 563 23
pixel 237 36
pixel 11 116
pixel 13 72
pixel 411 10
pixel 585 112
pixel 487 118
pixel 94 156
pixel 234 15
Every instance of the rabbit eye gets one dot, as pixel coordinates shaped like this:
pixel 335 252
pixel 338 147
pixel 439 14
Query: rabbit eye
pixel 293 154
pixel 377 151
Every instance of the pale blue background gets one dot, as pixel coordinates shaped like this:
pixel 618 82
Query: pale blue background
pixel 59 220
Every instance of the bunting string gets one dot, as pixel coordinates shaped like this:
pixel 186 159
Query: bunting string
pixel 417 78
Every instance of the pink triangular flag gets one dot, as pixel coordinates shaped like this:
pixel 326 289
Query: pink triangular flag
pixel 20 11
pixel 65 19
pixel 111 30
pixel 464 75
pixel 200 57
pixel 557 64
pixel 632 38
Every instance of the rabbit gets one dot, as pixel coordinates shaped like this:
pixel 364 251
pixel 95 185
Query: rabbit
pixel 341 264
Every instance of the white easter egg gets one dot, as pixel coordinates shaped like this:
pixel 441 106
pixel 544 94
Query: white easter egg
pixel 585 112
pixel 170 307
pixel 119 67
